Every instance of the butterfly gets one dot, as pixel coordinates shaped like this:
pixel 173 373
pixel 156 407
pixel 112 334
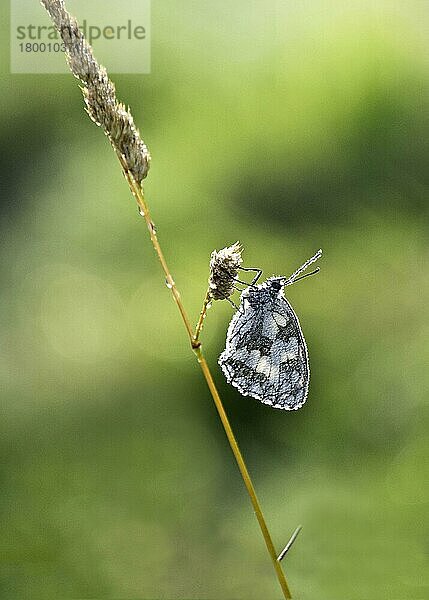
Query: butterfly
pixel 266 356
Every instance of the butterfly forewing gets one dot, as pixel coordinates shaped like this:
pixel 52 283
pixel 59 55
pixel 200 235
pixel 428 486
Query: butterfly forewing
pixel 265 355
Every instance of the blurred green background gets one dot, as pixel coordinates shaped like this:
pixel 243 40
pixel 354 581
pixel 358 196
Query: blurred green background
pixel 288 126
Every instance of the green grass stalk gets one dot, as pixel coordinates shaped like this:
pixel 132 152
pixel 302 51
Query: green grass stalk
pixel 118 124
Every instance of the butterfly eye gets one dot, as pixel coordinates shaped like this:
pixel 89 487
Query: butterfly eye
pixel 277 285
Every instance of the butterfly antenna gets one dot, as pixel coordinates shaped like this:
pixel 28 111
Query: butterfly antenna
pixel 305 266
pixel 306 275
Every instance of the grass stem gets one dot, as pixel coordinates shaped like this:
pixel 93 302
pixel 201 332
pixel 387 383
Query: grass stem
pixel 106 111
pixel 202 316
pixel 137 192
pixel 244 472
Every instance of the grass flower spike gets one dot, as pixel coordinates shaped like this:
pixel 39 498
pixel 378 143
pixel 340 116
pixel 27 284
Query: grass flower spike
pixel 99 93
pixel 224 265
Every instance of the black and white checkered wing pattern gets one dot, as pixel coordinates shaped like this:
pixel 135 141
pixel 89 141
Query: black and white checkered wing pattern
pixel 266 355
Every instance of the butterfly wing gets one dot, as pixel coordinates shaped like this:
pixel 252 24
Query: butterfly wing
pixel 266 355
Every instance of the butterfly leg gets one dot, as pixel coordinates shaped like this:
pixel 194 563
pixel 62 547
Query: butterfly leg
pixel 257 276
pixel 245 283
pixel 232 303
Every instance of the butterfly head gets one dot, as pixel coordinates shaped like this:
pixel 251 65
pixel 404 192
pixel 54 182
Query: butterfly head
pixel 275 285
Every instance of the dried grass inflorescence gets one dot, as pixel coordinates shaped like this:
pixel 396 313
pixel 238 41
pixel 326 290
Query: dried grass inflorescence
pixel 99 92
pixel 224 265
